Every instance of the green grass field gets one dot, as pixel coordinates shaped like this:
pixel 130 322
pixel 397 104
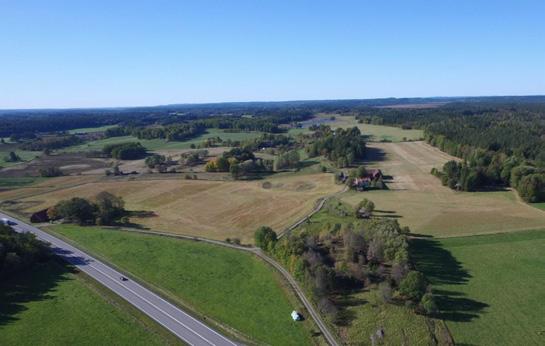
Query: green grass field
pixel 489 287
pixel 23 154
pixel 52 305
pixel 376 133
pixel 401 325
pixel 161 144
pixel 539 205
pixel 231 287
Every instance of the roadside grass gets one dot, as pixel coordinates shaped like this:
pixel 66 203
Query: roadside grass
pixel 490 287
pixel 233 288
pixel 418 200
pixel 91 129
pixel 52 304
pixel 210 209
pixel 161 144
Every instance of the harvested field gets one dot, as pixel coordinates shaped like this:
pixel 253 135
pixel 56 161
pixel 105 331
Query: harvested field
pixel 68 163
pixel 417 198
pixel 213 209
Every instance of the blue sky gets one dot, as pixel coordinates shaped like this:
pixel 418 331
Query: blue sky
pixel 123 53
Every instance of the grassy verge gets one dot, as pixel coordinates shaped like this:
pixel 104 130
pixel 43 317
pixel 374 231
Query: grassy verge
pixel 53 305
pixel 233 288
pixel 490 287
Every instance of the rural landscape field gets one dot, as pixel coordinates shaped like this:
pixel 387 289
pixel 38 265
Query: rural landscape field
pixel 276 173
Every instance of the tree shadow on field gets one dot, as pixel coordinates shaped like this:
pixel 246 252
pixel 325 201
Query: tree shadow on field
pixel 442 268
pixel 34 284
pixel 373 155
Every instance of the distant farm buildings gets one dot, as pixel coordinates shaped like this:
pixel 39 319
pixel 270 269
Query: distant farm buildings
pixel 370 179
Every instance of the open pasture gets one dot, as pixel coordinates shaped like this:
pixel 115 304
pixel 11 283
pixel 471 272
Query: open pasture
pixel 489 288
pixel 418 200
pixel 375 133
pixel 52 304
pixel 213 209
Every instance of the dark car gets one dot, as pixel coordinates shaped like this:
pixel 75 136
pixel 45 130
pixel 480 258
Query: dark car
pixel 122 278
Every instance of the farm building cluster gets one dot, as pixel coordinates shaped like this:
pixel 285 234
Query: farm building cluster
pixel 370 179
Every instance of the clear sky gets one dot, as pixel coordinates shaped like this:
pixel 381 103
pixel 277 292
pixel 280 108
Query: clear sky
pixel 77 53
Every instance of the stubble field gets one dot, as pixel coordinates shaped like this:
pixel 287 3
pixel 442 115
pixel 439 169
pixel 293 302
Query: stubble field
pixel 212 209
pixel 418 200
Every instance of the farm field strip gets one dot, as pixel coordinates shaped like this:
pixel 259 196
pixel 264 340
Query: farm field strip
pixel 418 200
pixel 213 209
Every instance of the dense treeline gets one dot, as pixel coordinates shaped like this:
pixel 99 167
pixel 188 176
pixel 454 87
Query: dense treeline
pixel 125 151
pixel 19 251
pixel 175 132
pixel 501 144
pixel 341 146
pixel 51 142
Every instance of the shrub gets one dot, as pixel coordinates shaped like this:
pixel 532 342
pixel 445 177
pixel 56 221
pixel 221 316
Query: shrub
pixel 427 304
pixel 413 286
pixel 265 238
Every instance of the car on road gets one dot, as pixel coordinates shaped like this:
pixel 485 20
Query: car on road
pixel 7 222
pixel 122 278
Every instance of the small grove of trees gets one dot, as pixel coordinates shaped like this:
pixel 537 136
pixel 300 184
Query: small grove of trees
pixel 287 160
pixel 125 151
pixel 107 209
pixel 12 157
pixel 343 147
pixel 19 251
pixel 329 259
pixel 239 162
pixel 364 208
pixel 155 160
pixel 265 238
pixel 50 172
pixel 529 181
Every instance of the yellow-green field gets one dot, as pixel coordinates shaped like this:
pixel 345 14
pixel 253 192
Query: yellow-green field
pixel 376 133
pixel 161 144
pixel 417 198
pixel 213 209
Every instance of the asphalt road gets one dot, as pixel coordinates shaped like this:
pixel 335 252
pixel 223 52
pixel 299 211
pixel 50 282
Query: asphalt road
pixel 169 316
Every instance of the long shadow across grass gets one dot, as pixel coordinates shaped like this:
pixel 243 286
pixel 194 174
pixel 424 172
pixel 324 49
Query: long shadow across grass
pixel 441 268
pixel 34 284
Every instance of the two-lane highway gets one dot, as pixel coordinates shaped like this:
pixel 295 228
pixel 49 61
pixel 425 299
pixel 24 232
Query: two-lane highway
pixel 171 317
